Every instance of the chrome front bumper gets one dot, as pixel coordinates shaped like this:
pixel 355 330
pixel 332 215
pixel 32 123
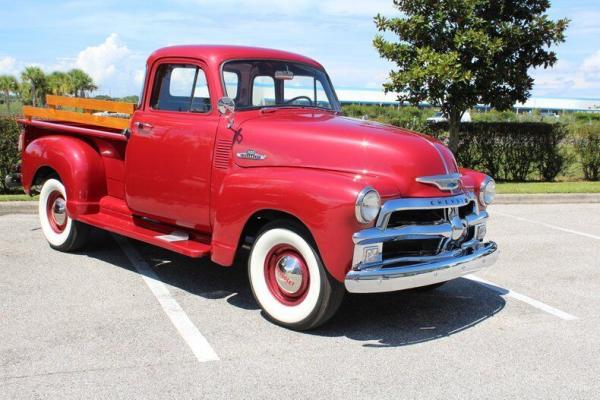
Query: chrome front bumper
pixel 389 279
pixel 374 270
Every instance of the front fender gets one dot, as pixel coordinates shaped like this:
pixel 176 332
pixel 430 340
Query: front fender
pixel 78 165
pixel 322 200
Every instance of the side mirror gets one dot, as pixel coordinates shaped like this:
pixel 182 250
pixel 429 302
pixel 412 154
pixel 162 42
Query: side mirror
pixel 226 107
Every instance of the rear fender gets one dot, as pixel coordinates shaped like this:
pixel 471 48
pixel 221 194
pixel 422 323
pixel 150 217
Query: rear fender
pixel 78 165
pixel 323 201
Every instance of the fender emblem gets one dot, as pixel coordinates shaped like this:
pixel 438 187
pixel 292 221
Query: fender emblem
pixel 443 182
pixel 251 155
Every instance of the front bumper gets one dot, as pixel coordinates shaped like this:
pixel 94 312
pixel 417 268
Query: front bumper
pixel 393 255
pixel 387 279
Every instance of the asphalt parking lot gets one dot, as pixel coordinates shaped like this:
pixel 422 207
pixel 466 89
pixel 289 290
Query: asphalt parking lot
pixel 100 324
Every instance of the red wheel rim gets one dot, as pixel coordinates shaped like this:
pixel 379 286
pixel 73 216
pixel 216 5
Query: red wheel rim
pixel 56 211
pixel 287 275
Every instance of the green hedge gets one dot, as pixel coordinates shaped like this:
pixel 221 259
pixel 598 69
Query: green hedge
pixel 9 154
pixel 511 151
pixel 407 117
pixel 587 146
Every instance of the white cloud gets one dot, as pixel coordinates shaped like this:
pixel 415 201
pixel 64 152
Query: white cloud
pixel 8 65
pixel 567 77
pixel 300 7
pixel 115 69
pixel 591 67
pixel 102 62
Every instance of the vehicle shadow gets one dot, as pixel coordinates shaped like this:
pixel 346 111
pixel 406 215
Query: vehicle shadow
pixel 378 320
pixel 413 316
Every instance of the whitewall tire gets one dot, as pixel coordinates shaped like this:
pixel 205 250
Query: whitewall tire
pixel 288 279
pixel 61 232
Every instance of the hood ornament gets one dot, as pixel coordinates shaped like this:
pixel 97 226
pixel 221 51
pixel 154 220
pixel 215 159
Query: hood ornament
pixel 443 182
pixel 251 155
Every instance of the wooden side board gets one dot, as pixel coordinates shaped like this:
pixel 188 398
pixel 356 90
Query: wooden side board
pixel 72 116
pixel 86 117
pixel 90 104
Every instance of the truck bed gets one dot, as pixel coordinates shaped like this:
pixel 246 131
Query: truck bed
pixel 108 135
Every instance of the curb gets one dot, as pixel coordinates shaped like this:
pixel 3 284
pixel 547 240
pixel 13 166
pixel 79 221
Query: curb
pixel 18 207
pixel 31 207
pixel 548 198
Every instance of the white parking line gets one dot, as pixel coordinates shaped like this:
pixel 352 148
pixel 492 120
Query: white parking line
pixel 188 331
pixel 521 297
pixel 588 235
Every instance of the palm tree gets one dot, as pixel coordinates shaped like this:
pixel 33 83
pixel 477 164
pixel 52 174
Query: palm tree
pixel 60 83
pixel 8 85
pixel 37 79
pixel 81 82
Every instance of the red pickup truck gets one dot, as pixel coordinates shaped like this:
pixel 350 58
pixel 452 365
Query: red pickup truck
pixel 238 148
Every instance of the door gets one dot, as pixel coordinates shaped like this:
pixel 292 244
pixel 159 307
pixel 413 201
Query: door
pixel 169 155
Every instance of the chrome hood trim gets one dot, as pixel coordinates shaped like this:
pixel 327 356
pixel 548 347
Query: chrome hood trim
pixel 447 182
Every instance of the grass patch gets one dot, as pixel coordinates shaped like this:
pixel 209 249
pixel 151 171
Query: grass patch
pixel 548 187
pixel 17 197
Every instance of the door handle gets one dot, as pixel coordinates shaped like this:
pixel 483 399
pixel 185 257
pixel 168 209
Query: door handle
pixel 144 126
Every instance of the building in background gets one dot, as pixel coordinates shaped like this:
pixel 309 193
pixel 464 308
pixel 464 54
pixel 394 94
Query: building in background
pixel 543 104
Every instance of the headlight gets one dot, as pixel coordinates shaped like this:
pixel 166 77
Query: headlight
pixel 487 191
pixel 368 204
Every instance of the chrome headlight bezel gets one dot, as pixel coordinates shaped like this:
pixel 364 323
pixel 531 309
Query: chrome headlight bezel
pixel 487 191
pixel 368 205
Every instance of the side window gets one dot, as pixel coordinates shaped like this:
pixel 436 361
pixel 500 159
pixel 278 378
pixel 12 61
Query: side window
pixel 179 87
pixel 263 91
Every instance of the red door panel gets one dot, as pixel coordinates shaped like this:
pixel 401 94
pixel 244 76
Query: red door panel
pixel 168 165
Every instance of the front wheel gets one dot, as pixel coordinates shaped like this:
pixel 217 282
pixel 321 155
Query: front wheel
pixel 288 279
pixel 61 232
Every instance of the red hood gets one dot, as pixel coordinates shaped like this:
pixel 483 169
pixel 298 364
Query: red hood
pixel 387 157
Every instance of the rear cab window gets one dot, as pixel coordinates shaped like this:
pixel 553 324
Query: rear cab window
pixel 181 88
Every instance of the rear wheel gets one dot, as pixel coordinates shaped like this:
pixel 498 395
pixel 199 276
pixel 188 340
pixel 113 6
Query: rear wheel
pixel 61 232
pixel 288 278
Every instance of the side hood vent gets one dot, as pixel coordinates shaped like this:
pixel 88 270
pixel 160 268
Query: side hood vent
pixel 222 153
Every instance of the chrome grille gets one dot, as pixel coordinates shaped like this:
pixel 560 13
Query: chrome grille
pixel 419 230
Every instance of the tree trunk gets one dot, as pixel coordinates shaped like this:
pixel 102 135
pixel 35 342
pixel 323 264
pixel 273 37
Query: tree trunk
pixel 454 131
pixel 33 99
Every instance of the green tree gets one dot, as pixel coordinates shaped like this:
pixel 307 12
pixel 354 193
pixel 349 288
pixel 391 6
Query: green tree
pixel 36 79
pixel 60 83
pixel 130 99
pixel 459 53
pixel 8 85
pixel 81 82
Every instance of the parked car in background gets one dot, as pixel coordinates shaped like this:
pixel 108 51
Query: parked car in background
pixel 549 114
pixel 439 117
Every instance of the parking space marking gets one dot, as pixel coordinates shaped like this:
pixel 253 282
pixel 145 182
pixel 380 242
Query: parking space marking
pixel 588 235
pixel 186 328
pixel 521 297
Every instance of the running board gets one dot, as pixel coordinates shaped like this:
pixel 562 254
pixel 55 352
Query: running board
pixel 167 237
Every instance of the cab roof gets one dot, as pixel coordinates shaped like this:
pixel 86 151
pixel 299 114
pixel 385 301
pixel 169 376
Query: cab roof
pixel 217 54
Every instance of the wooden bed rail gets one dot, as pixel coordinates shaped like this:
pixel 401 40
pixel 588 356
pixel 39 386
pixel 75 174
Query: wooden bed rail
pixel 89 106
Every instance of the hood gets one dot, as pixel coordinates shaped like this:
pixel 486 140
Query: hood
pixel 387 157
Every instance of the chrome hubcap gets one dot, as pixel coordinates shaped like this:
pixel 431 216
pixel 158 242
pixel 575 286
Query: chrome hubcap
pixel 59 211
pixel 288 274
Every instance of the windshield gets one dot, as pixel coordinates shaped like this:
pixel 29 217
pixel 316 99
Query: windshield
pixel 270 83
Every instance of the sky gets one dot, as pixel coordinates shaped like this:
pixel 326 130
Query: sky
pixel 110 39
